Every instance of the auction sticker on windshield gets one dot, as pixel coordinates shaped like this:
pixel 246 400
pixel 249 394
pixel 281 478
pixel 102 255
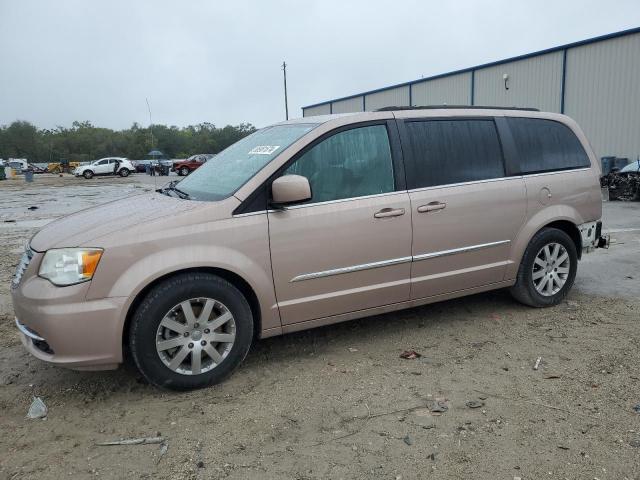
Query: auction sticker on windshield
pixel 264 149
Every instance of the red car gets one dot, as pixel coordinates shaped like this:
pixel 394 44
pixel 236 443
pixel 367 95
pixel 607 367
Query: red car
pixel 185 167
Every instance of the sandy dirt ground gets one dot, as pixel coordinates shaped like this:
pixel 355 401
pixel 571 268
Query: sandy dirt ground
pixel 339 402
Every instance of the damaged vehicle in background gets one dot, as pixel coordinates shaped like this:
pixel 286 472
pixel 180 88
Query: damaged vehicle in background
pixel 623 184
pixel 311 222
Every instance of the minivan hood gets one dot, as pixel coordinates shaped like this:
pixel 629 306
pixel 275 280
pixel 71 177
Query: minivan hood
pixel 81 228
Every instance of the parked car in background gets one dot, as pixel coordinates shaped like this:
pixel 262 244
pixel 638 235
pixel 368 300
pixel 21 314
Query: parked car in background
pixel 105 166
pixel 141 165
pixel 633 167
pixel 185 167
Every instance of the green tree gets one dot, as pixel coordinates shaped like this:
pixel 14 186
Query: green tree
pixel 84 142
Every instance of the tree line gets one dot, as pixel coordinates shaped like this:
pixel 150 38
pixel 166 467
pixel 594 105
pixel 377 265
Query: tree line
pixel 84 142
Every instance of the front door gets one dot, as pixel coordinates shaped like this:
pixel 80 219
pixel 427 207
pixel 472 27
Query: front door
pixel 349 247
pixel 102 167
pixel 466 211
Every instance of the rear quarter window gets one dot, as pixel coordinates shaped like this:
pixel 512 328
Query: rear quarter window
pixel 546 146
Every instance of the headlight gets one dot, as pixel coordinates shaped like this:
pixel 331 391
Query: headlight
pixel 67 266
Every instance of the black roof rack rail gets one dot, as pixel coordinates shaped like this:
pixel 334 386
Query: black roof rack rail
pixel 474 107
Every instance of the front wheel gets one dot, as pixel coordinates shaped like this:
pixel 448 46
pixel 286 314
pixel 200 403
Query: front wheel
pixel 184 171
pixel 548 269
pixel 191 331
pixel 87 174
pixel 124 172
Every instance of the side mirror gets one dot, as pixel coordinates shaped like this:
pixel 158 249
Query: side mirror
pixel 290 189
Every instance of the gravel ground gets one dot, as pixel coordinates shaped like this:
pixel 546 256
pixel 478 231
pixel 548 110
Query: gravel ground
pixel 339 402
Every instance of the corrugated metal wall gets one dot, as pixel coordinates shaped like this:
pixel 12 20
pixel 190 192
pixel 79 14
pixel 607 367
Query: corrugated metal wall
pixel 453 90
pixel 602 93
pixel 323 109
pixel 601 90
pixel 535 82
pixel 347 106
pixel 388 98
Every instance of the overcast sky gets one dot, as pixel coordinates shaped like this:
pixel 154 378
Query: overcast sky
pixel 219 61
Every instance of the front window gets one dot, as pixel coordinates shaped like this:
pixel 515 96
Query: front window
pixel 349 164
pixel 225 173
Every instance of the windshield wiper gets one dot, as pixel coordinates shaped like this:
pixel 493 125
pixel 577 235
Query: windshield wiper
pixel 172 188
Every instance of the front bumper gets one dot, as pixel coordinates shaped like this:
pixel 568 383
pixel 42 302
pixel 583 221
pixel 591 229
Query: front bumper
pixel 58 325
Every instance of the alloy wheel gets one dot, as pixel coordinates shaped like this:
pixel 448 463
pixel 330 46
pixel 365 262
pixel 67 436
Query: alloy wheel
pixel 551 269
pixel 195 336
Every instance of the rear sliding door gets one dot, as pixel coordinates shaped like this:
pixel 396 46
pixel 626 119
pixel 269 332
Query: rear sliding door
pixel 466 211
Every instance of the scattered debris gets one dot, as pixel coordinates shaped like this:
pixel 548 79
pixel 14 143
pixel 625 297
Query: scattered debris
pixel 410 355
pixel 9 221
pixel 353 350
pixel 635 442
pixel 200 464
pixel 550 376
pixel 440 406
pixel 32 208
pixel 475 403
pixel 562 447
pixel 636 408
pixel 535 367
pixel 134 441
pixel 432 457
pixel 407 439
pixel 164 446
pixel 37 409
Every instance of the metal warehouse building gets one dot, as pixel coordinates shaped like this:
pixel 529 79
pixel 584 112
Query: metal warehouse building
pixel 595 81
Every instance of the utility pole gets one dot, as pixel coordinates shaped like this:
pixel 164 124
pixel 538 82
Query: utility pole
pixel 150 123
pixel 286 105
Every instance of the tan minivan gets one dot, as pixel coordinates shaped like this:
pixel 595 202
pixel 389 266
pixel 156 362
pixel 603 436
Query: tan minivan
pixel 311 222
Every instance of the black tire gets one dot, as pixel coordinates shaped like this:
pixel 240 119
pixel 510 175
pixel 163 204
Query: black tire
pixel 88 174
pixel 124 172
pixel 524 290
pixel 184 171
pixel 160 300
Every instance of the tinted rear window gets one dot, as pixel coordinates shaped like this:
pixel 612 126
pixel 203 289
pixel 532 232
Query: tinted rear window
pixel 546 145
pixel 453 151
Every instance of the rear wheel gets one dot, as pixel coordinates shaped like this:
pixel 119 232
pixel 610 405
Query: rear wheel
pixel 87 174
pixel 124 172
pixel 548 269
pixel 184 171
pixel 191 331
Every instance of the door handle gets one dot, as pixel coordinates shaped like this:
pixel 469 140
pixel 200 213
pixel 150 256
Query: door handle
pixel 431 207
pixel 389 212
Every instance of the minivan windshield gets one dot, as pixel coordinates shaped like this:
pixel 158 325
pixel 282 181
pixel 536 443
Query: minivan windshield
pixel 222 175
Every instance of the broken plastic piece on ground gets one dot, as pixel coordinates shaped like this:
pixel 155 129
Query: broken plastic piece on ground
pixel 475 403
pixel 37 409
pixel 410 355
pixel 538 360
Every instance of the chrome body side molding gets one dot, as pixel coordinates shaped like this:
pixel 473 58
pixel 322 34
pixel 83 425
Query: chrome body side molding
pixel 395 261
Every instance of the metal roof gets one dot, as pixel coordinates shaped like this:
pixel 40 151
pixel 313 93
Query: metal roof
pixel 600 38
